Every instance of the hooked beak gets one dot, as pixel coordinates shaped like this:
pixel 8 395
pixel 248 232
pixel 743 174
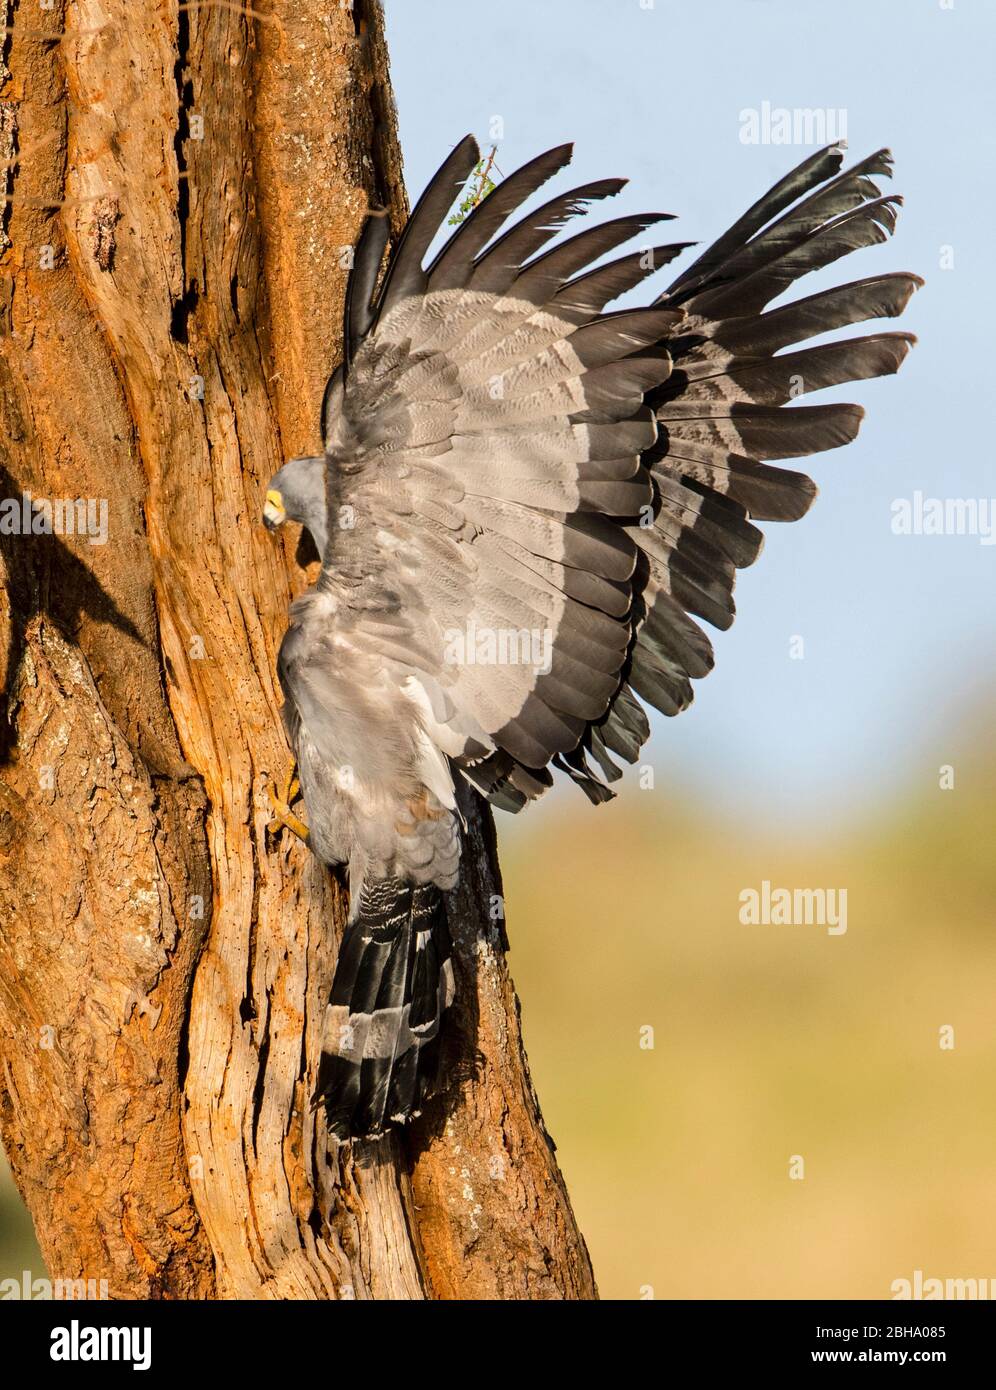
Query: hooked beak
pixel 273 512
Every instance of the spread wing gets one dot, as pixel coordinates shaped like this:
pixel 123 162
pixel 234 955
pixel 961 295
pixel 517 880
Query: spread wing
pixel 532 500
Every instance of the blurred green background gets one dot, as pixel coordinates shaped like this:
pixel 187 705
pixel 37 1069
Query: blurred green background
pixel 769 1041
pixel 18 1247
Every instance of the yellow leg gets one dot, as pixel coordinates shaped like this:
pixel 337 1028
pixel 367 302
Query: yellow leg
pixel 280 804
pixel 291 785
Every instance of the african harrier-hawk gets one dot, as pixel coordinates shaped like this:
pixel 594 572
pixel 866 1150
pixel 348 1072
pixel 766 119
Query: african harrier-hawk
pixel 523 505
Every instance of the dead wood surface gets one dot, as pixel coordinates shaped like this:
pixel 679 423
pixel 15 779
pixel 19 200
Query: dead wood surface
pixel 184 181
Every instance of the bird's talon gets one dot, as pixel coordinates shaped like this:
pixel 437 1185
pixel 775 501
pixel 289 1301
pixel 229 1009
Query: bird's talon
pixel 283 816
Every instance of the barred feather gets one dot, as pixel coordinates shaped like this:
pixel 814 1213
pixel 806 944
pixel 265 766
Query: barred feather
pixel 393 983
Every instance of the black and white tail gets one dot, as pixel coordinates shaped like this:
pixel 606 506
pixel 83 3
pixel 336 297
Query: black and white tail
pixel 393 983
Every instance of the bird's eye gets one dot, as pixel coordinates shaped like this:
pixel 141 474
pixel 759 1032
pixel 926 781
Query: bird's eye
pixel 274 513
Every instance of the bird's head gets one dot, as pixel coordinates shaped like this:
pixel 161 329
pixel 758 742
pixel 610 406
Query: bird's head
pixel 297 493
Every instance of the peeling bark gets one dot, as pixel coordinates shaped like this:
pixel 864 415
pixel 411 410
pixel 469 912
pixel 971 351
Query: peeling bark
pixel 183 185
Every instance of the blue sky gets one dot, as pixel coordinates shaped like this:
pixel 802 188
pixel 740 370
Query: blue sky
pixel 897 629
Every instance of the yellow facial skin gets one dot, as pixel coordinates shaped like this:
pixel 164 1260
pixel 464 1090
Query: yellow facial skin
pixel 273 512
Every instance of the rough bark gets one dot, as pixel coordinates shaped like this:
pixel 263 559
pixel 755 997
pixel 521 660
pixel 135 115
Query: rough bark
pixel 183 183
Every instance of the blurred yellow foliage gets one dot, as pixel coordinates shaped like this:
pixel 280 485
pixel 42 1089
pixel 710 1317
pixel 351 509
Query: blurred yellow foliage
pixel 768 1042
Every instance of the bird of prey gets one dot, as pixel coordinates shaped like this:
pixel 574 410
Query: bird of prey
pixel 523 506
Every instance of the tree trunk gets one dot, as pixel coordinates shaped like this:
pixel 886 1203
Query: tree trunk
pixel 180 184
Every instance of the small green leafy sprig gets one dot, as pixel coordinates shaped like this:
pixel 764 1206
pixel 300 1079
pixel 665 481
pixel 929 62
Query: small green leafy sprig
pixel 481 184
